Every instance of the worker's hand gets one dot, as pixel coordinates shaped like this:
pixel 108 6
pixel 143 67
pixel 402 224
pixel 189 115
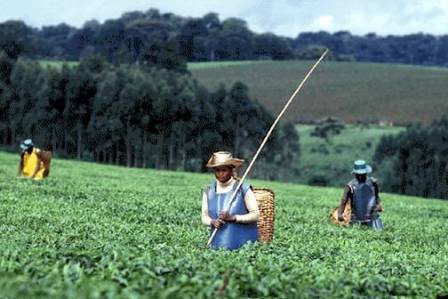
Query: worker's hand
pixel 341 217
pixel 225 216
pixel 217 223
pixel 379 208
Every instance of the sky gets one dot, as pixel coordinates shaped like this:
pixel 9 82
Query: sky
pixel 282 17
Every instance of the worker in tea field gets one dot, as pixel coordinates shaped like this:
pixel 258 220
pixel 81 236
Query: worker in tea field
pixel 362 194
pixel 237 226
pixel 34 163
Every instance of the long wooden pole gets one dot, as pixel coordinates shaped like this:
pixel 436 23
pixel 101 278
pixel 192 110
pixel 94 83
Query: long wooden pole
pixel 232 198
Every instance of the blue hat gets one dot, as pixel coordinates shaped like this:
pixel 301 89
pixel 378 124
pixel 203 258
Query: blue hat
pixel 26 144
pixel 360 167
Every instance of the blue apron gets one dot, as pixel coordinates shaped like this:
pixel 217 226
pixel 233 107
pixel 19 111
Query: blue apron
pixel 231 235
pixel 364 205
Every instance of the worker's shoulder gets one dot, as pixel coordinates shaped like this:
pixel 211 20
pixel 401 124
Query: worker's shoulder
pixel 246 187
pixel 351 183
pixel 207 187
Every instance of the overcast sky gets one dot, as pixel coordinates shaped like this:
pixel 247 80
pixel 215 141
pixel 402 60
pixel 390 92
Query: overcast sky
pixel 284 17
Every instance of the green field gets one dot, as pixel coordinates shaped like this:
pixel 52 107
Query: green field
pixel 57 64
pixel 193 66
pixel 95 231
pixel 331 161
pixel 351 91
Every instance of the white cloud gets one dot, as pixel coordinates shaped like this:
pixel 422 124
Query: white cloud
pixel 324 22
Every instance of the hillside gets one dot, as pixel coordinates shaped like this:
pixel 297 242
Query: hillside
pixel 373 92
pixel 56 64
pixel 102 231
pixel 328 163
pixel 351 91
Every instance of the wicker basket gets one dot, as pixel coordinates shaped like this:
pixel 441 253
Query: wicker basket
pixel 347 215
pixel 46 159
pixel 265 199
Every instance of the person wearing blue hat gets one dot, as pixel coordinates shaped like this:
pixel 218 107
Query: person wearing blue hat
pixel 362 193
pixel 34 163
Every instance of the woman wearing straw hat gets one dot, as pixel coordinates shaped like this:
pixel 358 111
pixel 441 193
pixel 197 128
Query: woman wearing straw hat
pixel 238 225
pixel 363 194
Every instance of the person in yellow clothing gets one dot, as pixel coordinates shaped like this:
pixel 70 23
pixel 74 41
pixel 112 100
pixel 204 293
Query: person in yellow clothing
pixel 33 164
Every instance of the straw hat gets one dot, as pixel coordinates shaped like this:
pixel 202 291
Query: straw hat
pixel 360 167
pixel 223 159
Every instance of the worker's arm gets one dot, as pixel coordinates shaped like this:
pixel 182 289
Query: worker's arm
pixel 252 208
pixel 206 219
pixel 345 198
pixel 379 207
pixel 19 172
pixel 252 211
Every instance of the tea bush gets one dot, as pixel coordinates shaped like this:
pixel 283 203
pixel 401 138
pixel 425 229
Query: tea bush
pixel 95 231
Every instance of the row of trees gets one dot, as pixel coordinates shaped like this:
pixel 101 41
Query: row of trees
pixel 170 41
pixel 416 161
pixel 149 37
pixel 134 115
pixel 418 48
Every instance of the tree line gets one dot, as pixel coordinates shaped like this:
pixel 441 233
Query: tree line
pixel 169 40
pixel 138 116
pixel 416 161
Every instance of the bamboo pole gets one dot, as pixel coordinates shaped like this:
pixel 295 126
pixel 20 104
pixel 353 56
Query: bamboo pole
pixel 232 198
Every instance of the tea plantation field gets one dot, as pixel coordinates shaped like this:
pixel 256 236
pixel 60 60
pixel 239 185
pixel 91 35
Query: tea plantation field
pixel 352 91
pixel 94 231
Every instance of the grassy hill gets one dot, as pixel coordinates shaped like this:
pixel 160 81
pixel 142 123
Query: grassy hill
pixel 328 162
pixel 57 64
pixel 351 91
pixel 101 231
